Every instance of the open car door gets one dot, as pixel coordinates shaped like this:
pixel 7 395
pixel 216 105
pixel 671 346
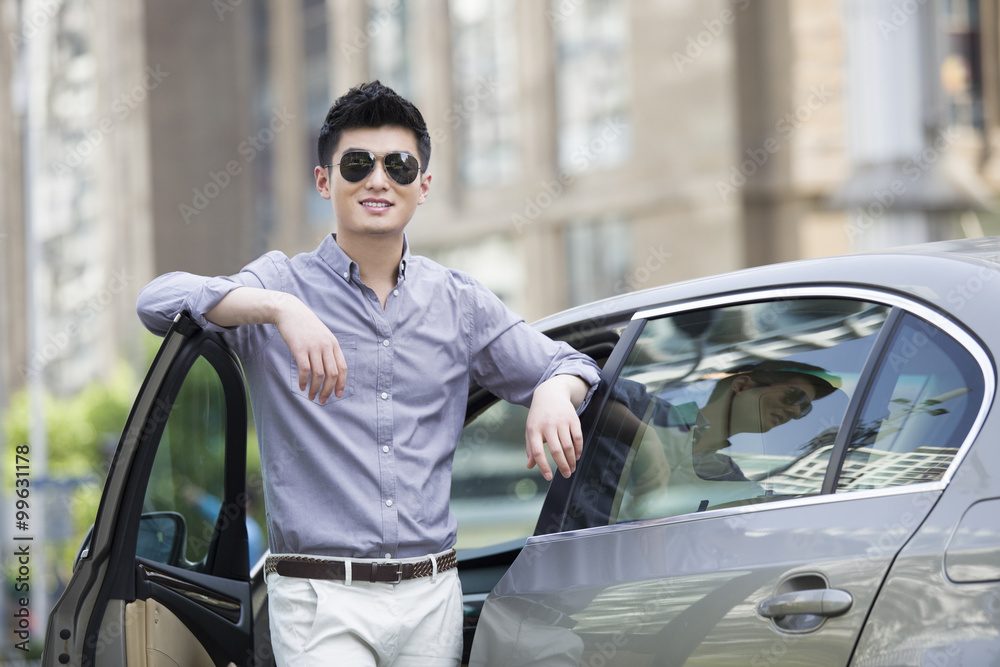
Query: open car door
pixel 164 578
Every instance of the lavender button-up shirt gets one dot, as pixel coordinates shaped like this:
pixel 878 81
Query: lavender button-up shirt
pixel 368 475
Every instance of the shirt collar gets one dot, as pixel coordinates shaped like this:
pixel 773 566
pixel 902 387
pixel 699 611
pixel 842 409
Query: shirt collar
pixel 346 267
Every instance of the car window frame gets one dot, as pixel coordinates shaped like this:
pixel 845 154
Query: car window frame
pixel 569 505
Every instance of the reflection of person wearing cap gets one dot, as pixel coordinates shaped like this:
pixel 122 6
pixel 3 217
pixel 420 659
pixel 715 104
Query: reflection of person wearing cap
pixel 753 399
pixel 679 462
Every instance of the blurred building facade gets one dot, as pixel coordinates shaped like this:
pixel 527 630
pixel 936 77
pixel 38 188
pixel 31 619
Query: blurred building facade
pixel 581 148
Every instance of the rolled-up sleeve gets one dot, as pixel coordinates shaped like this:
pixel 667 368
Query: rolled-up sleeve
pixel 510 358
pixel 165 297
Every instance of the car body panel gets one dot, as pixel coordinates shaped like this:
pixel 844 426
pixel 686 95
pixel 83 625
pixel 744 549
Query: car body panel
pixel 922 617
pixel 952 276
pixel 687 590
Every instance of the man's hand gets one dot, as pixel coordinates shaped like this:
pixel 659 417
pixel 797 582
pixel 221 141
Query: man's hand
pixel 552 419
pixel 314 348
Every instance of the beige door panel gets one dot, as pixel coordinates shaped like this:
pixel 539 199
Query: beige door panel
pixel 155 637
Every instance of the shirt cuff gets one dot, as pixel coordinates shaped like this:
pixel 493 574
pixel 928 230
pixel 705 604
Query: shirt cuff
pixel 206 297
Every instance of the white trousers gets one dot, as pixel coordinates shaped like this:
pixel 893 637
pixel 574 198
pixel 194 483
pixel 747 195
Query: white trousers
pixel 318 622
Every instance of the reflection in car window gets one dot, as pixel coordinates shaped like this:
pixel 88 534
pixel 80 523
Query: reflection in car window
pixel 188 471
pixel 493 495
pixel 924 400
pixel 723 407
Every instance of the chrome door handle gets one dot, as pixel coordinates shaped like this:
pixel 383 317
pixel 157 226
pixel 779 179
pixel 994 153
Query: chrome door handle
pixel 818 602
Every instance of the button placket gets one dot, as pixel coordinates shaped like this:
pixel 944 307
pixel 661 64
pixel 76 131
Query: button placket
pixel 384 424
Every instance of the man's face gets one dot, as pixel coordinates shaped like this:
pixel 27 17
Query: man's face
pixel 375 205
pixel 758 408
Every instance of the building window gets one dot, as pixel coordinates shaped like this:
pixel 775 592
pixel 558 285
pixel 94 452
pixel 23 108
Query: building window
pixel 484 116
pixel 317 99
pixel 593 90
pixel 597 260
pixel 961 68
pixel 388 52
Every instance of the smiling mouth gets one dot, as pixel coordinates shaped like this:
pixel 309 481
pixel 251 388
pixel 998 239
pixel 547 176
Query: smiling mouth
pixel 376 204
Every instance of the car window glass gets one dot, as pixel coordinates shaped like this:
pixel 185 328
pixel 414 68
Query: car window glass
pixel 493 495
pixel 725 406
pixel 183 497
pixel 924 400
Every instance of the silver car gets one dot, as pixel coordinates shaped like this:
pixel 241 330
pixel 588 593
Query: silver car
pixel 787 465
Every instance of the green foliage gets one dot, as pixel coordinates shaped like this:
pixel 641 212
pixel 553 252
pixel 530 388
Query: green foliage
pixel 81 432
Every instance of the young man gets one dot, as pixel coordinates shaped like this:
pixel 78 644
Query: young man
pixel 358 357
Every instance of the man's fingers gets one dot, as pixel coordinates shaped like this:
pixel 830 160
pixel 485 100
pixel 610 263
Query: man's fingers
pixel 322 369
pixel 561 446
pixel 341 364
pixel 330 370
pixel 576 432
pixel 318 374
pixel 536 453
pixel 302 363
pixel 565 442
pixel 335 367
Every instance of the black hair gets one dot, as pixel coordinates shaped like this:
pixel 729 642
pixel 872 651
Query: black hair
pixel 372 105
pixel 777 371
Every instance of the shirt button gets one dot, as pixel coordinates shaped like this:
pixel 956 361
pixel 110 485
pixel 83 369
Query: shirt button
pixel 384 395
pixel 385 448
pixel 388 555
pixel 386 342
pixel 346 275
pixel 388 503
pixel 395 292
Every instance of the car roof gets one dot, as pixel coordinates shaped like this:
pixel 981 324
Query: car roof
pixel 946 275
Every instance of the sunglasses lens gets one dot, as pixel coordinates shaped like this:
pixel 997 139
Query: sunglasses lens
pixel 401 167
pixel 800 399
pixel 356 165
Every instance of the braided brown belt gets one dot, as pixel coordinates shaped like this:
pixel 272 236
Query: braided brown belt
pixel 388 571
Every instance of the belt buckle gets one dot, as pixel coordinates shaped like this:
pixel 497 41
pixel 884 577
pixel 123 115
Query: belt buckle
pixel 376 567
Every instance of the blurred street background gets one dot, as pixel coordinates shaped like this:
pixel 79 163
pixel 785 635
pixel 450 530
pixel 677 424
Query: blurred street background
pixel 581 149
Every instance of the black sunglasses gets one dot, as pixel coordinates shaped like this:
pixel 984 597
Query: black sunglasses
pixel 793 396
pixel 356 165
